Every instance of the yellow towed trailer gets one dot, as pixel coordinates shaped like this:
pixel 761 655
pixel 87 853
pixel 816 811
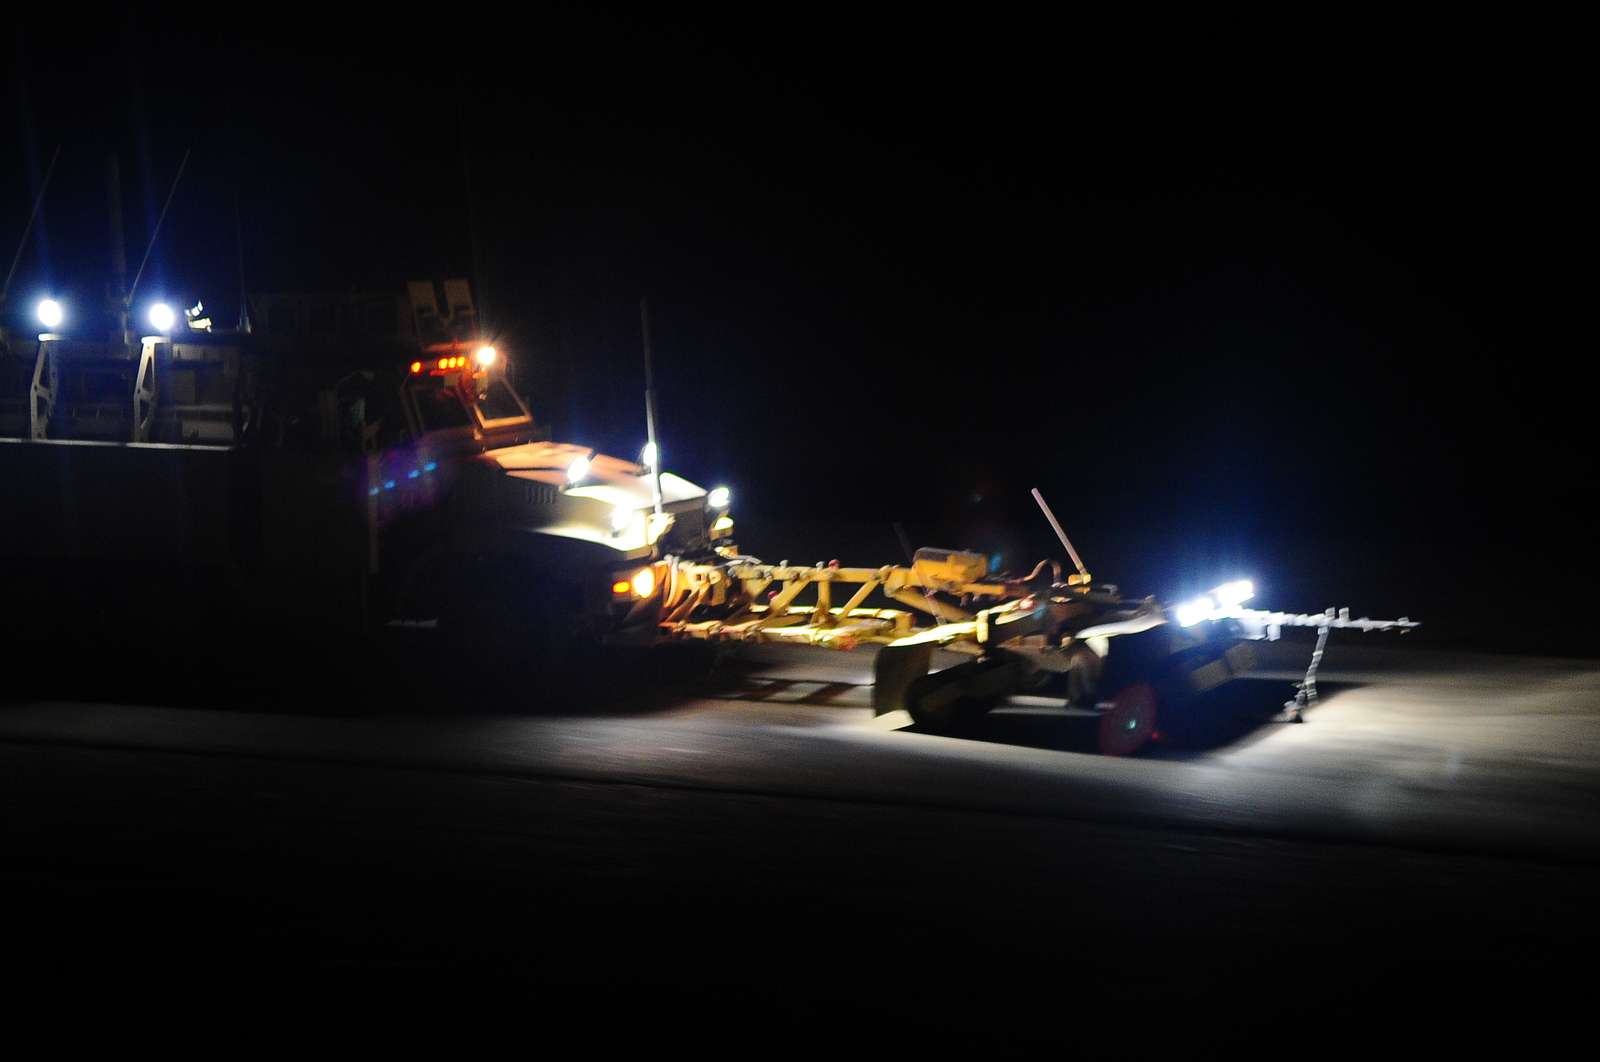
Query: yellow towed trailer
pixel 1133 662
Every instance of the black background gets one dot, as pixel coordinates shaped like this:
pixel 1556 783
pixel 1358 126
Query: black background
pixel 1296 302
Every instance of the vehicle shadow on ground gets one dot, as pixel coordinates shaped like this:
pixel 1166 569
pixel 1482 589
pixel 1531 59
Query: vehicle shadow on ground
pixel 1235 714
pixel 412 674
pixel 417 675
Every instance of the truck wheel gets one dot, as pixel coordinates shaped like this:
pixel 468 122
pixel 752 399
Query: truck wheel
pixel 532 632
pixel 1131 721
pixel 509 615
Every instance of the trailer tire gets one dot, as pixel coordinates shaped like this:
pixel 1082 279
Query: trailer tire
pixel 986 683
pixel 1130 722
pixel 941 717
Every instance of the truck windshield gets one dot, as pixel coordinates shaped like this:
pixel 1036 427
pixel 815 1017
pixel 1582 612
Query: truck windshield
pixel 439 405
pixel 498 403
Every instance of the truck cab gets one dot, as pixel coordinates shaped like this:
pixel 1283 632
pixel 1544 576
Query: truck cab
pixel 472 473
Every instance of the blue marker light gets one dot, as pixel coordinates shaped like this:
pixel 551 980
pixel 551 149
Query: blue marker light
pixel 388 484
pixel 430 466
pixel 414 473
pixel 373 492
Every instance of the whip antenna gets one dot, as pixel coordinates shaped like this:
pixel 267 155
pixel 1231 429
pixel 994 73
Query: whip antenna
pixel 128 297
pixel 1077 561
pixel 650 407
pixel 28 229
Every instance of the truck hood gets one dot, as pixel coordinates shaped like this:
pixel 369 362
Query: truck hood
pixel 610 479
pixel 584 510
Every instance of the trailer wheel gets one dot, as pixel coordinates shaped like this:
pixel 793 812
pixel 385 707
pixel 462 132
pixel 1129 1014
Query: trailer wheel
pixel 1131 721
pixel 1042 682
pixel 940 714
pixel 948 701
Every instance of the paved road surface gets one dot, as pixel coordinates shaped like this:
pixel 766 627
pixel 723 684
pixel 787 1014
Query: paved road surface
pixel 755 860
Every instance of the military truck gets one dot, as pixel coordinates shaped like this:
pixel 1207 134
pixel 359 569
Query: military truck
pixel 338 463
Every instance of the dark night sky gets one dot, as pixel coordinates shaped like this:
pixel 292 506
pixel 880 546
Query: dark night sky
pixel 1306 317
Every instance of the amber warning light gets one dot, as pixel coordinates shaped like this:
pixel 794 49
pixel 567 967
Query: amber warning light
pixel 442 365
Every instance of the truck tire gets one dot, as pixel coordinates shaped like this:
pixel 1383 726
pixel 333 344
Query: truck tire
pixel 533 629
pixel 509 614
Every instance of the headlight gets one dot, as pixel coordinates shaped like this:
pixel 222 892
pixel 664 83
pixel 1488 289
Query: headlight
pixel 578 470
pixel 162 318
pixel 1234 594
pixel 644 582
pixel 638 584
pixel 1221 603
pixel 49 312
pixel 719 498
pixel 1197 611
pixel 485 356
